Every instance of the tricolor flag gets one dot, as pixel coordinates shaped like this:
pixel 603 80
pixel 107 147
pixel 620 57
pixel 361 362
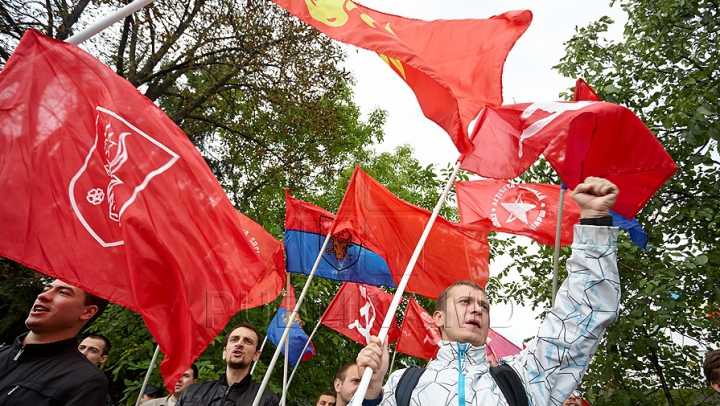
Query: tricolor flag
pixel 102 190
pixel 297 337
pixel 358 312
pixel 419 336
pixel 578 139
pixel 527 209
pixel 453 66
pixel 307 226
pixel 391 227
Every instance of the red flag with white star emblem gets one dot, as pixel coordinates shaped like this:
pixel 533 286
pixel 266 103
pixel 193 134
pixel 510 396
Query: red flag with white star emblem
pixel 578 139
pixel 419 336
pixel 453 66
pixel 102 190
pixel 358 311
pixel 524 209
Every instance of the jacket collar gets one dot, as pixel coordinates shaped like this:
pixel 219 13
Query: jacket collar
pixel 44 350
pixel 473 355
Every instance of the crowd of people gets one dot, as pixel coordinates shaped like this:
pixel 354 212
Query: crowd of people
pixel 46 366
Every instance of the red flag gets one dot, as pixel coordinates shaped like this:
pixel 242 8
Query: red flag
pixel 419 336
pixel 358 311
pixel 525 209
pixel 391 227
pixel 500 346
pixel 453 66
pixel 579 139
pixel 270 251
pixel 583 92
pixel 105 192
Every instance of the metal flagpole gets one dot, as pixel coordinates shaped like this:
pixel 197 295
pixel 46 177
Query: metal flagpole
pixel 147 375
pixel 556 256
pixel 107 21
pixel 300 299
pixel 256 362
pixel 367 375
pixel 288 325
pixel 297 364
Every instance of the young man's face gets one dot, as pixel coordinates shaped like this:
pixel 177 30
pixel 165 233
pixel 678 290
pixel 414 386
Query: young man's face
pixel 188 378
pixel 466 318
pixel 58 308
pixel 346 389
pixel 573 400
pixel 93 349
pixel 241 348
pixel 326 400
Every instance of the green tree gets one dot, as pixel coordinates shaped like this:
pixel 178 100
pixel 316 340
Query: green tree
pixel 666 70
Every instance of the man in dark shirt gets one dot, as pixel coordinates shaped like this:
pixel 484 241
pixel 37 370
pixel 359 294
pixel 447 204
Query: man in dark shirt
pixel 44 366
pixel 235 387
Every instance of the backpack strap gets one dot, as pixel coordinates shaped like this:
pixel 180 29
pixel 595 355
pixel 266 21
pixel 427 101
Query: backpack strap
pixel 406 384
pixel 510 385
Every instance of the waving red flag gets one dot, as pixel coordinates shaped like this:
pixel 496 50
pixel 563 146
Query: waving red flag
pixel 419 336
pixel 579 139
pixel 270 251
pixel 583 92
pixel 105 192
pixel 391 227
pixel 453 66
pixel 524 209
pixel 499 346
pixel 358 312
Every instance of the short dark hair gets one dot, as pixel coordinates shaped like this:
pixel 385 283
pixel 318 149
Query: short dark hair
pixel 106 346
pixel 342 372
pixel 711 366
pixel 247 325
pixel 441 303
pixel 92 300
pixel 195 370
pixel 324 394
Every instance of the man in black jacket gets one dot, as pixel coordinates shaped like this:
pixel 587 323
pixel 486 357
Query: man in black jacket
pixel 235 387
pixel 44 366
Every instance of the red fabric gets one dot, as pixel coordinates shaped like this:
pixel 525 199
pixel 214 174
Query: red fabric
pixel 579 139
pixel 358 312
pixel 392 228
pixel 524 209
pixel 419 336
pixel 500 346
pixel 270 251
pixel 453 66
pixel 583 92
pixel 105 192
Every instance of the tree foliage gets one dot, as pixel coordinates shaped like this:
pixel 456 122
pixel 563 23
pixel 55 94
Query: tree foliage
pixel 666 70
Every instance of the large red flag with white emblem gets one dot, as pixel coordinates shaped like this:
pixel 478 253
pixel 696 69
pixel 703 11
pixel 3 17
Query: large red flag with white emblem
pixel 419 335
pixel 102 190
pixel 358 312
pixel 578 139
pixel 528 209
pixel 453 66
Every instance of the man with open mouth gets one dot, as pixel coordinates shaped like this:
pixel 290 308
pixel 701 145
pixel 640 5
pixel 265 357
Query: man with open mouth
pixel 44 366
pixel 550 368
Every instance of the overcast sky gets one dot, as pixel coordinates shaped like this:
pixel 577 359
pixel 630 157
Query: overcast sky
pixel 528 77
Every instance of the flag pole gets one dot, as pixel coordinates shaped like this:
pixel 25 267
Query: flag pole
pixel 287 342
pixel 367 375
pixel 107 21
pixel 147 375
pixel 256 362
pixel 297 364
pixel 558 231
pixel 299 301
pixel 392 362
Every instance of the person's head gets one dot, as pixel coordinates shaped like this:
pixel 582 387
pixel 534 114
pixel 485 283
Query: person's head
pixel 575 399
pixel 346 383
pixel 462 313
pixel 188 378
pixel 96 348
pixel 61 311
pixel 711 367
pixel 151 392
pixel 325 399
pixel 241 346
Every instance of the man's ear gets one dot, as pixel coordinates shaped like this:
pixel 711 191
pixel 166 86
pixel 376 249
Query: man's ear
pixel 337 385
pixel 103 359
pixel 89 312
pixel 716 386
pixel 439 318
pixel 256 356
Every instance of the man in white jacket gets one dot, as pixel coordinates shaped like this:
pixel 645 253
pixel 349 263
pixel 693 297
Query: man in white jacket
pixel 553 364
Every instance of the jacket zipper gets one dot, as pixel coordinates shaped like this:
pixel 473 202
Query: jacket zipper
pixel 461 376
pixel 19 353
